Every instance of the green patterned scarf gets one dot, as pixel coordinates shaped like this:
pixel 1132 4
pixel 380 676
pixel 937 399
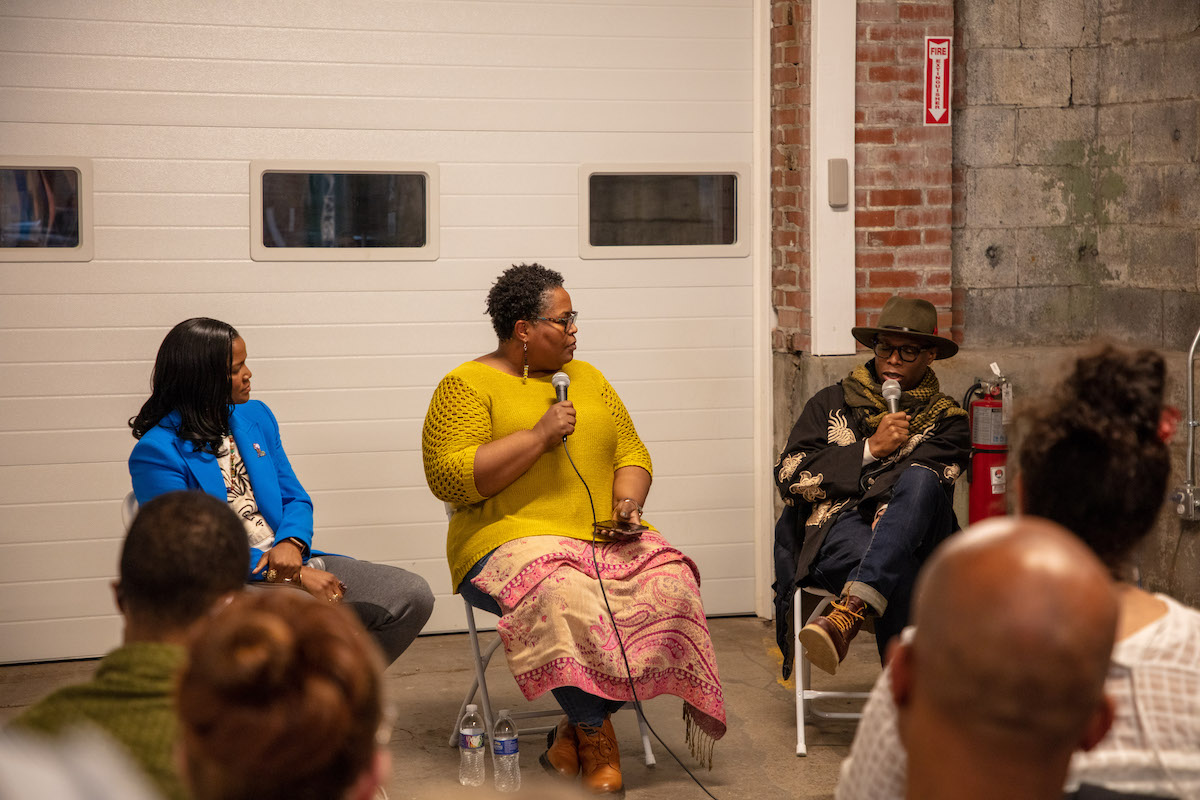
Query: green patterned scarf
pixel 925 402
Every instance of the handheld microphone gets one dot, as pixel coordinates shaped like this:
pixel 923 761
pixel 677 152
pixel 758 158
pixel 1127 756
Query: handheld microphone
pixel 891 394
pixel 562 380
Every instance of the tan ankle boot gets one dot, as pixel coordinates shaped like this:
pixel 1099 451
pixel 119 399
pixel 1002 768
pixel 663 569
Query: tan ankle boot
pixel 600 759
pixel 562 755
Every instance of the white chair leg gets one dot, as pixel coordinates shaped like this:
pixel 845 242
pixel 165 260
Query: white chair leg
pixel 805 694
pixel 483 657
pixel 800 665
pixel 645 731
pixel 479 684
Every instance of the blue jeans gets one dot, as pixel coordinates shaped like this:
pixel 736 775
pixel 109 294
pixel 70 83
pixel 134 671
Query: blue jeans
pixel 580 707
pixel 880 566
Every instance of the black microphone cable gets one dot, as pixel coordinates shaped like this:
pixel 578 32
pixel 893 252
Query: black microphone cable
pixel 628 671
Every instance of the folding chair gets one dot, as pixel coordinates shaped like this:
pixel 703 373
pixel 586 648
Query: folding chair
pixel 129 508
pixel 804 692
pixel 483 657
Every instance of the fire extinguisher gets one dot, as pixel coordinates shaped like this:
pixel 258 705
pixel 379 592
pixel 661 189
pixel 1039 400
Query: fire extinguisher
pixel 987 468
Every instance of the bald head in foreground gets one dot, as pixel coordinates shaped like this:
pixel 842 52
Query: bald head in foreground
pixel 1004 677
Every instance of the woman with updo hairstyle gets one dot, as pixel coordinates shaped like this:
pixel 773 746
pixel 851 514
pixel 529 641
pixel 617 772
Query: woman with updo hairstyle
pixel 281 700
pixel 1094 456
pixel 527 475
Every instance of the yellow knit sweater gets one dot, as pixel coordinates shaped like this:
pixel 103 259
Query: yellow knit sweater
pixel 476 404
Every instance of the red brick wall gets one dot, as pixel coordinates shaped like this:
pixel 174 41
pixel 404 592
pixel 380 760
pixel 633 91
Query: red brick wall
pixel 790 69
pixel 902 173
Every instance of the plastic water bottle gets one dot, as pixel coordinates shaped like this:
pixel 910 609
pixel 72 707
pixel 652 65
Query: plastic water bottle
pixel 470 748
pixel 504 749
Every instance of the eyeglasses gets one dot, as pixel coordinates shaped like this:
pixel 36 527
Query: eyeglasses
pixel 567 320
pixel 908 352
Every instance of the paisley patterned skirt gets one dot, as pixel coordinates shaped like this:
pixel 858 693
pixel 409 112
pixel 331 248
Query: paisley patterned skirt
pixel 557 631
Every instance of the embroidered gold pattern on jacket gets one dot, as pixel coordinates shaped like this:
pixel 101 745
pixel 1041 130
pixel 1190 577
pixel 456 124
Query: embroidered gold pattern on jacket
pixel 839 431
pixel 905 449
pixel 808 486
pixel 824 511
pixel 788 469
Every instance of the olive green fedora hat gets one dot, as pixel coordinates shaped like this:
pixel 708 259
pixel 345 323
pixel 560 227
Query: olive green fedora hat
pixel 910 316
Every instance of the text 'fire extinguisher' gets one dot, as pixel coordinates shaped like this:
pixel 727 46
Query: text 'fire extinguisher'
pixel 987 472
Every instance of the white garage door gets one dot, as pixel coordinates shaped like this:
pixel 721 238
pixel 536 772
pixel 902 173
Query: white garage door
pixel 170 103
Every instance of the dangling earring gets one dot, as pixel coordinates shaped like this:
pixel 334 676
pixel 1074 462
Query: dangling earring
pixel 525 359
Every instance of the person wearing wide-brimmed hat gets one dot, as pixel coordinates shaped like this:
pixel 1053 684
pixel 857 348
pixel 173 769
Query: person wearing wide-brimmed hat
pixel 868 492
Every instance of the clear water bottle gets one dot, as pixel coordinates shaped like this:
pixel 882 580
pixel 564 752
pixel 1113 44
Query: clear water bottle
pixel 507 769
pixel 470 748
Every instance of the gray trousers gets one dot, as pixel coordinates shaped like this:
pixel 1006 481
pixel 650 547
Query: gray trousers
pixel 393 604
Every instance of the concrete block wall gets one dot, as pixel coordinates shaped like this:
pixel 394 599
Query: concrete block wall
pixel 1077 172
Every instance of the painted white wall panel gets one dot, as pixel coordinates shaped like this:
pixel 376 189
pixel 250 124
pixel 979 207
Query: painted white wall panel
pixel 63 638
pixel 507 42
pixel 171 102
pixel 361 143
pixel 186 277
pixel 252 77
pixel 49 600
pixel 387 113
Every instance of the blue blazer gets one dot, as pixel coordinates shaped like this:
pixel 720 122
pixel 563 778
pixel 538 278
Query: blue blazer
pixel 162 462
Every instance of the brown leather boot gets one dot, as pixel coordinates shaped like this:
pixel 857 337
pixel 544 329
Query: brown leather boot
pixel 600 759
pixel 827 639
pixel 562 752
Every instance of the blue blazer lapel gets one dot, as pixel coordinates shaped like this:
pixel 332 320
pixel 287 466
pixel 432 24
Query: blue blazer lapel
pixel 260 467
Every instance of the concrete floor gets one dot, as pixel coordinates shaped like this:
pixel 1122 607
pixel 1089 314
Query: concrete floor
pixel 756 759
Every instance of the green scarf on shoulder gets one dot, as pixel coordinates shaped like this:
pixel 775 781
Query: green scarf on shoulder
pixel 925 402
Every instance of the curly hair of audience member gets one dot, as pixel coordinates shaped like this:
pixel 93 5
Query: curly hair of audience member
pixel 281 698
pixel 1091 457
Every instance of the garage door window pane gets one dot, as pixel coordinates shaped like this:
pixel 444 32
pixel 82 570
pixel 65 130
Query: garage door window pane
pixel 39 207
pixel 344 210
pixel 667 209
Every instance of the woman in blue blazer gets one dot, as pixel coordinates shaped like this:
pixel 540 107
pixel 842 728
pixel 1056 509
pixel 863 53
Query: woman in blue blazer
pixel 200 430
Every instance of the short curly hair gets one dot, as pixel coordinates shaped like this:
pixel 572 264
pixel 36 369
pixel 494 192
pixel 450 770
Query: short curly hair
pixel 1091 458
pixel 519 293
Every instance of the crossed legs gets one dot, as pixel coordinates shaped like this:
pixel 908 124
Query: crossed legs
pixel 872 568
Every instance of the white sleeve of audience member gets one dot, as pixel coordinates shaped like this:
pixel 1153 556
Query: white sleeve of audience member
pixel 877 764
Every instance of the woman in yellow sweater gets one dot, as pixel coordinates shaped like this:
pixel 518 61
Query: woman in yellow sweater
pixel 503 452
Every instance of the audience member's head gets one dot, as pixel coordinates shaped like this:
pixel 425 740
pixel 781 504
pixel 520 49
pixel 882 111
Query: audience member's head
pixel 1015 622
pixel 183 551
pixel 1094 455
pixel 281 700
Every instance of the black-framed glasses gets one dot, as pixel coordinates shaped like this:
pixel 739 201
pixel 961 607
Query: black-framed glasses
pixel 908 352
pixel 567 320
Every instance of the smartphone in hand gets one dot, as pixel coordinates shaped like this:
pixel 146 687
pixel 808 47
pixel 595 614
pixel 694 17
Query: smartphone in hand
pixel 617 530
